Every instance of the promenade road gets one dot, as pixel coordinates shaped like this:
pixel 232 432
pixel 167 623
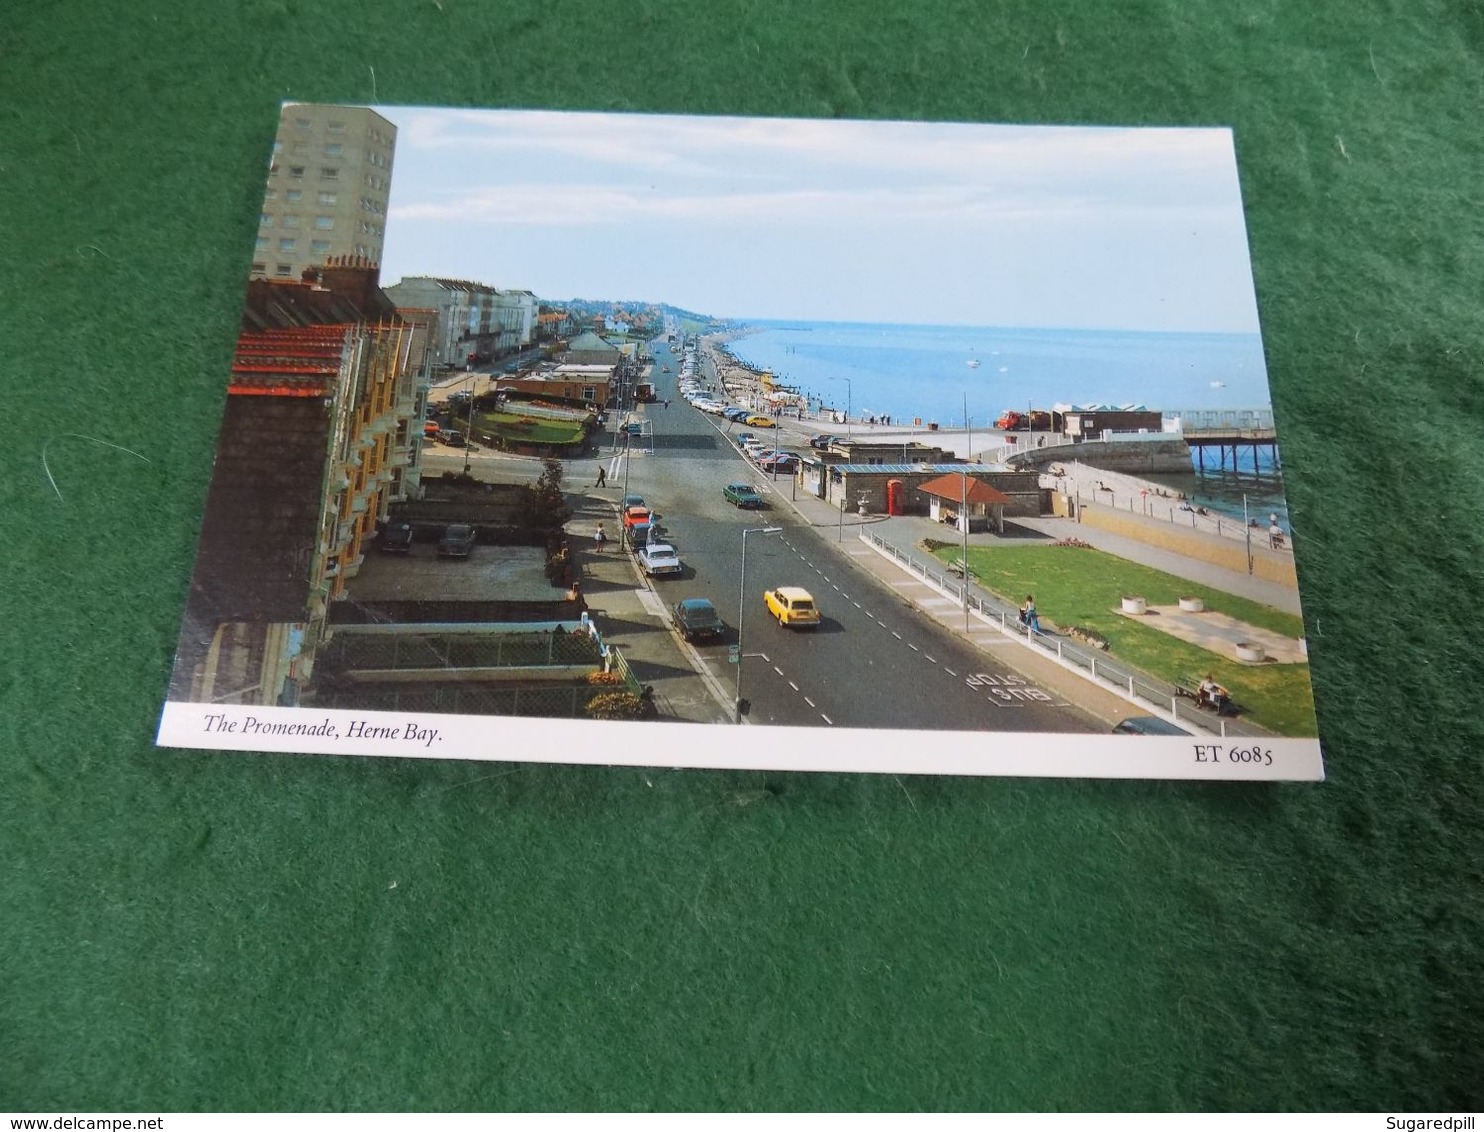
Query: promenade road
pixel 874 662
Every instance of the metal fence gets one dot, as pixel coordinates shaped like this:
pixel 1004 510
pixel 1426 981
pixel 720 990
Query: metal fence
pixel 1092 663
pixel 368 651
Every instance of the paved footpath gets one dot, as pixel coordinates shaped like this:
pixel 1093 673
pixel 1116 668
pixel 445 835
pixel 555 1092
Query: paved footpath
pixel 634 619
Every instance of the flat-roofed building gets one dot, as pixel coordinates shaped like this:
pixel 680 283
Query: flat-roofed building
pixel 328 187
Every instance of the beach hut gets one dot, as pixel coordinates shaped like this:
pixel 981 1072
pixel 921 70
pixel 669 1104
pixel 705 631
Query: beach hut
pixel 960 499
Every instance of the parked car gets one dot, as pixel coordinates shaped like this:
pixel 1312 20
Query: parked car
pixel 743 495
pixel 793 607
pixel 395 538
pixel 1147 725
pixel 457 541
pixel 633 516
pixel 780 463
pixel 658 560
pixel 735 414
pixel 757 420
pixel 697 619
pixel 630 501
pixel 642 534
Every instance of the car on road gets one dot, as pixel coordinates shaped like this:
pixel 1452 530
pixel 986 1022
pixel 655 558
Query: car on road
pixel 757 420
pixel 633 516
pixel 697 619
pixel 396 538
pixel 793 606
pixel 630 501
pixel 780 463
pixel 642 534
pixel 735 414
pixel 824 440
pixel 1147 725
pixel 743 495
pixel 659 560
pixel 457 541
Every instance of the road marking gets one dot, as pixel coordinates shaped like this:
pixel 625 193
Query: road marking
pixel 827 719
pixel 931 658
pixel 913 647
pixel 895 634
pixel 856 604
pixel 778 670
pixel 792 685
pixel 808 701
pixel 950 671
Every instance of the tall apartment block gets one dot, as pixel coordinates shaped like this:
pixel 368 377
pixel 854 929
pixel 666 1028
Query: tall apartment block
pixel 327 189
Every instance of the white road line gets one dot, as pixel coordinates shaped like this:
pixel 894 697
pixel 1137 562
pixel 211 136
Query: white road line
pixel 792 685
pixel 856 604
pixel 778 670
pixel 895 634
pixel 931 658
pixel 808 701
pixel 913 647
pixel 827 719
pixel 950 671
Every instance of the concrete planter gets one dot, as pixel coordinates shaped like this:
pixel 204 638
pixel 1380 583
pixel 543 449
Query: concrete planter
pixel 1251 653
pixel 1192 605
pixel 1135 605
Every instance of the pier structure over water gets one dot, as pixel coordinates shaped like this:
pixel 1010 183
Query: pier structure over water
pixel 1232 432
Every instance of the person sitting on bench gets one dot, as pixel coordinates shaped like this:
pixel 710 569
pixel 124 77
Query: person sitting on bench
pixel 1212 694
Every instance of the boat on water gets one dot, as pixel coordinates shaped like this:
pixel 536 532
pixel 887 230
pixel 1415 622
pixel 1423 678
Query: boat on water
pixel 972 363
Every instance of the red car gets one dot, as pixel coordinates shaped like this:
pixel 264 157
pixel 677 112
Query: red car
pixel 636 515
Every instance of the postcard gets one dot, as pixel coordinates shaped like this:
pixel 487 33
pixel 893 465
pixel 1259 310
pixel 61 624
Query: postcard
pixel 888 447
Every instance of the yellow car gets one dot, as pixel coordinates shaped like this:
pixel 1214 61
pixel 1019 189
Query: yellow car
pixel 792 606
pixel 759 421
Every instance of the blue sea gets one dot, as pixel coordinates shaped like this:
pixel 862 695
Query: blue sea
pixel 913 372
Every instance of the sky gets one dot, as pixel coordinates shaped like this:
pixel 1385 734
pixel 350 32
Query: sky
pixel 827 220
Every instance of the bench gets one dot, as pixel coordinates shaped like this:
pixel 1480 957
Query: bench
pixel 959 568
pixel 1190 688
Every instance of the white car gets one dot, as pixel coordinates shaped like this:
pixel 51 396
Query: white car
pixel 658 559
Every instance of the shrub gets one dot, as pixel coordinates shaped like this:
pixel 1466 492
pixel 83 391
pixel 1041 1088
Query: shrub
pixel 615 705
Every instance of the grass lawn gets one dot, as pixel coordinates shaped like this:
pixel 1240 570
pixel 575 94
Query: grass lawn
pixel 1083 587
pixel 539 430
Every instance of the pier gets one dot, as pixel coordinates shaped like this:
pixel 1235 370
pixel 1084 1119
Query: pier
pixel 1233 441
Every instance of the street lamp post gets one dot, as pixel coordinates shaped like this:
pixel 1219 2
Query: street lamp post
pixel 469 430
pixel 742 606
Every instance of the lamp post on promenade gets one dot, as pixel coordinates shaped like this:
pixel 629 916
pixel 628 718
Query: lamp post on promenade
pixel 849 430
pixel 469 429
pixel 742 606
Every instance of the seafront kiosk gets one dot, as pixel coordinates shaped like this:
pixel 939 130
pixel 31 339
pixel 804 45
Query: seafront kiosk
pixel 967 503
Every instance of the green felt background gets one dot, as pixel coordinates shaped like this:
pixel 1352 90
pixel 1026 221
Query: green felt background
pixel 193 930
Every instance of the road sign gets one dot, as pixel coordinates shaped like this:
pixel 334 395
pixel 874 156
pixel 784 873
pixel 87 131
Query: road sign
pixel 734 654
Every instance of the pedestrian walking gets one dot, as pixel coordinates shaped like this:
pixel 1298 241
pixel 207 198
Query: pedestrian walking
pixel 602 476
pixel 667 402
pixel 1032 621
pixel 600 536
